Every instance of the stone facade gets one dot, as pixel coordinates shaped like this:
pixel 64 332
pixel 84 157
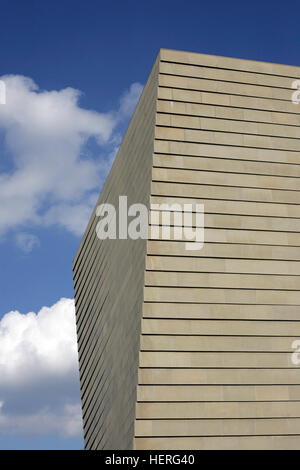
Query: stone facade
pixel 193 349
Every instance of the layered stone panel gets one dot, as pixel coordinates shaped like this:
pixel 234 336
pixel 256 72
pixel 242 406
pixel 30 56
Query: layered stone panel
pixel 108 284
pixel 187 349
pixel 215 366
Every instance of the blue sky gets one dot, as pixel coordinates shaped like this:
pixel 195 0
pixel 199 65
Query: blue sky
pixel 105 50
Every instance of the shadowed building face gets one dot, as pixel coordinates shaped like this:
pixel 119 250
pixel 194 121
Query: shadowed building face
pixel 193 349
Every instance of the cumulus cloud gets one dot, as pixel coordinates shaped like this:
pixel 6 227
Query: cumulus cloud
pixel 48 176
pixel 39 387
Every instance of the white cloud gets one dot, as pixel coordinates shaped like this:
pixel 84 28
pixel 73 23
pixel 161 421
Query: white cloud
pixel 50 179
pixel 26 241
pixel 130 98
pixel 39 387
pixel 73 217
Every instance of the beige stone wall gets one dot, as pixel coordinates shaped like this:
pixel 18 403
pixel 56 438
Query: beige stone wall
pixel 108 282
pixel 215 369
pixel 192 349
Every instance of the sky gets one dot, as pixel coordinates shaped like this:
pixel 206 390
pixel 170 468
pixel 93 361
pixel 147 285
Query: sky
pixel 74 71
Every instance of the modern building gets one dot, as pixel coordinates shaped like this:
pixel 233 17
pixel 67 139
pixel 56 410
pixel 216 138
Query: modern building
pixel 197 349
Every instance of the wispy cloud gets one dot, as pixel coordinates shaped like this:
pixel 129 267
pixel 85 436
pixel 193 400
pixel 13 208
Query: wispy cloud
pixel 26 241
pixel 48 177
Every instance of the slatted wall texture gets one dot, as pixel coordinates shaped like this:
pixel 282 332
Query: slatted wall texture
pixel 215 368
pixel 108 282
